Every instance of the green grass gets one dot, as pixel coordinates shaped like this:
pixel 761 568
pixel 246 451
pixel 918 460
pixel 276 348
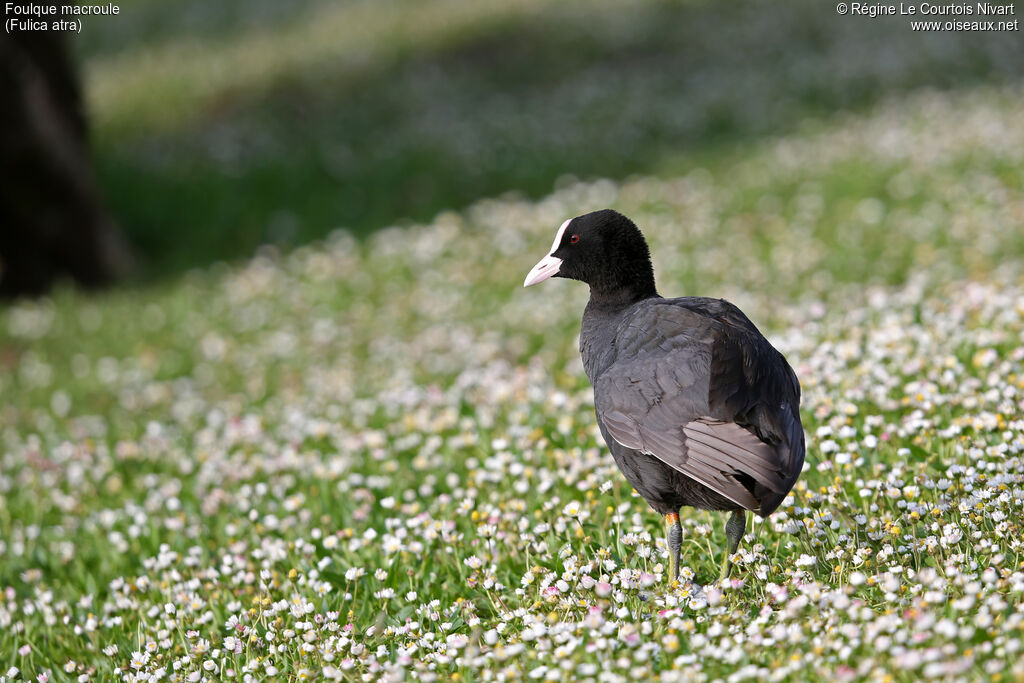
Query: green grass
pixel 204 465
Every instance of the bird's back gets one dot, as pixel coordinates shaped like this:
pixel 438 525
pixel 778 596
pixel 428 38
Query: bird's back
pixel 690 387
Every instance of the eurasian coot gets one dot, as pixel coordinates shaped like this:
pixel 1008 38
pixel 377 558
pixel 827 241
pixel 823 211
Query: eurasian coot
pixel 696 406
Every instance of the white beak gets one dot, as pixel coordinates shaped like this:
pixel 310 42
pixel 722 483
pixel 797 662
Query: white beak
pixel 547 267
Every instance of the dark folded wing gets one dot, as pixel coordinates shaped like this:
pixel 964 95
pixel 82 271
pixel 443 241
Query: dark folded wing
pixel 699 388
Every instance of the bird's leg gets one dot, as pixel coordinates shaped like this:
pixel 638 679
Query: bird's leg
pixel 734 530
pixel 674 539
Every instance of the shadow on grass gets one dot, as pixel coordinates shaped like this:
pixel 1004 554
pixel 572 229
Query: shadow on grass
pixel 579 91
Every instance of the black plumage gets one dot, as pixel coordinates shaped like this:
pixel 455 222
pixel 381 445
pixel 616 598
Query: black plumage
pixel 694 403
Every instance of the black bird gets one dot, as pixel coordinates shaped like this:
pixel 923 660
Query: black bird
pixel 695 405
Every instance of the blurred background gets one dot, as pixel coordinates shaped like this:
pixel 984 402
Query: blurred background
pixel 193 132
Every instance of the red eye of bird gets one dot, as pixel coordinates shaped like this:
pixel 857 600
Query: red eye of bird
pixel 573 239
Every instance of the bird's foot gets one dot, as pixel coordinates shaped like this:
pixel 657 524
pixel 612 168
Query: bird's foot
pixel 726 567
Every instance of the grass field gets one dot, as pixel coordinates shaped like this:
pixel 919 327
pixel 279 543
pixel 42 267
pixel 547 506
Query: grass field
pixel 377 459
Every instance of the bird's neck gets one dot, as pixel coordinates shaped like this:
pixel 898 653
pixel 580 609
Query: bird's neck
pixel 630 281
pixel 622 292
pixel 616 299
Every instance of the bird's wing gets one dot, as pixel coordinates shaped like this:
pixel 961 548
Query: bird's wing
pixel 700 389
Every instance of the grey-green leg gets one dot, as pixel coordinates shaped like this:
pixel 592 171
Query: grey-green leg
pixel 734 530
pixel 674 539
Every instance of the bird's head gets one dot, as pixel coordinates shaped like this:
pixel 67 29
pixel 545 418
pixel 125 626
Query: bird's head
pixel 604 249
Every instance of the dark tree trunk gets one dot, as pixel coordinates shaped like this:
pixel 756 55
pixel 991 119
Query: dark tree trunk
pixel 52 222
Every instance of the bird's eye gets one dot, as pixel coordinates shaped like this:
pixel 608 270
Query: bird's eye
pixel 573 239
